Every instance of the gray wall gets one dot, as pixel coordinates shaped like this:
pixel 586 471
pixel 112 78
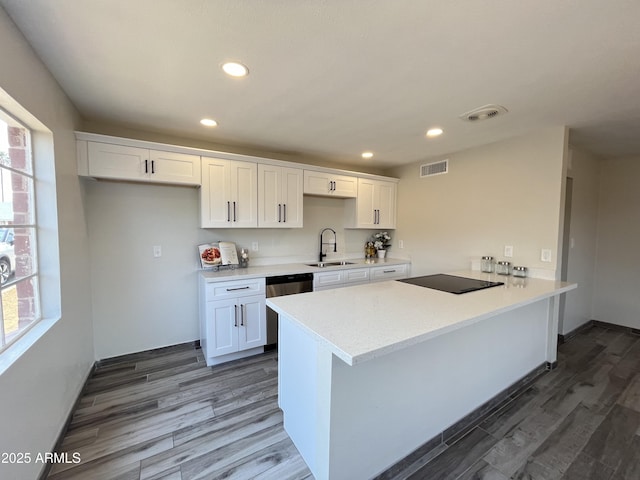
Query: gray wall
pixel 141 302
pixel 585 171
pixel 506 193
pixel 617 286
pixel 40 387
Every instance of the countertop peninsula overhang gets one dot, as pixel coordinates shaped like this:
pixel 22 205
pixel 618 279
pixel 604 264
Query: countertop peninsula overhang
pixel 364 322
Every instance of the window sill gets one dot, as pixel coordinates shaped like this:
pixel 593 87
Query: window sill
pixel 24 343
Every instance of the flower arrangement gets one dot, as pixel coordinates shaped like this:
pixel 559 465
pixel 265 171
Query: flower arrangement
pixel 381 241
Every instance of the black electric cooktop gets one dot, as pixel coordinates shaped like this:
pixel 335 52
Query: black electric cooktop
pixel 451 283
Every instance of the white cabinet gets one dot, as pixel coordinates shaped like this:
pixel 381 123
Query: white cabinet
pixel 375 205
pixel 329 184
pixel 391 272
pixel 229 194
pixel 279 196
pixel 121 162
pixel 232 319
pixel 339 278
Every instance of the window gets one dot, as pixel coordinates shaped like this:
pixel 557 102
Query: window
pixel 19 281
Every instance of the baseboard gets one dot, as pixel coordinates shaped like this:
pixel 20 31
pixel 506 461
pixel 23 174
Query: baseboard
pixel 44 473
pixel 596 323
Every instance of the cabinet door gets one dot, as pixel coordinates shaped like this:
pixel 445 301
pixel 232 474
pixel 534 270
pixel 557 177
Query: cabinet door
pixel 292 197
pixel 345 186
pixel 269 196
pixel 385 204
pixel 172 167
pixel 252 330
pixel 215 194
pixel 116 161
pixel 353 277
pixel 327 184
pixel 222 327
pixel 366 204
pixel 244 194
pixel 317 183
pixel 330 279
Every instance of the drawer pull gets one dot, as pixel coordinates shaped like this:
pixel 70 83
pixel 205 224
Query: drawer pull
pixel 238 288
pixel 388 271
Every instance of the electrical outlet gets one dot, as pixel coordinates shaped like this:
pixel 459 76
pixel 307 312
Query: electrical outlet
pixel 400 243
pixel 157 251
pixel 545 255
pixel 508 251
pixel 254 246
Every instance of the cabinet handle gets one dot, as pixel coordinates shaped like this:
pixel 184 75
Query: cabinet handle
pixel 284 209
pixel 153 166
pixel 234 211
pixel 235 315
pixel 279 213
pixel 334 185
pixel 388 271
pixel 228 211
pixel 238 288
pixel 242 315
pixel 146 166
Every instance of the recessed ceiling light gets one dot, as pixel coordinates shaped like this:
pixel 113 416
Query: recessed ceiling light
pixel 235 69
pixel 208 122
pixel 367 154
pixel 434 132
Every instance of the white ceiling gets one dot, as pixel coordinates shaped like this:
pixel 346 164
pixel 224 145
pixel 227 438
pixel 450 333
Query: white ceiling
pixel 332 78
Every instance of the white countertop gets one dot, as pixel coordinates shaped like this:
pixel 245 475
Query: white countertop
pixel 366 321
pixel 291 268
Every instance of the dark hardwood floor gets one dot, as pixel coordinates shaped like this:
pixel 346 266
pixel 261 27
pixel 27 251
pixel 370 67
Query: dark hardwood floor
pixel 165 415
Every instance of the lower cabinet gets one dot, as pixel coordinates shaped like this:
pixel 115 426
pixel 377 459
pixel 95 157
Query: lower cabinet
pixel 346 278
pixel 339 278
pixel 232 319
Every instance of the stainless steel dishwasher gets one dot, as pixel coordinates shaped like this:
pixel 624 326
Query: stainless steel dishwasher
pixel 277 287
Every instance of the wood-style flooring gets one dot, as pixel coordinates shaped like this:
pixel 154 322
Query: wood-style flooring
pixel 165 415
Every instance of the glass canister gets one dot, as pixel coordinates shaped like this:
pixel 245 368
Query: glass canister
pixel 244 258
pixel 486 264
pixel 503 268
pixel 520 272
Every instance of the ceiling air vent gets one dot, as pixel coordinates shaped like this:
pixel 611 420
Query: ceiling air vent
pixel 483 113
pixel 435 168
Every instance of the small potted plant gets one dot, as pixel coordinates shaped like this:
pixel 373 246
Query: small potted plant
pixel 381 242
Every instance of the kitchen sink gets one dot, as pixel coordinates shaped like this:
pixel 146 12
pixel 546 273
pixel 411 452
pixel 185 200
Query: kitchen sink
pixel 329 264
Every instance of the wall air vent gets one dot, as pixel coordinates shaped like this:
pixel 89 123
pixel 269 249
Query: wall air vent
pixel 483 113
pixel 435 168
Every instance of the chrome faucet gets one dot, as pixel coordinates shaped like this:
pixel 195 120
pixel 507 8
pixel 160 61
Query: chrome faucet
pixel 335 243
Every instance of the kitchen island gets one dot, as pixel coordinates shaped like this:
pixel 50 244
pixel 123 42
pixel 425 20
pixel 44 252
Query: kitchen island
pixel 369 373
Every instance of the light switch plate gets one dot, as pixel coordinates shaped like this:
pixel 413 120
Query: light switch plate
pixel 508 251
pixel 157 251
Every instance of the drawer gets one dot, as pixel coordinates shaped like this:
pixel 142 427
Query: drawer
pixel 234 288
pixel 391 272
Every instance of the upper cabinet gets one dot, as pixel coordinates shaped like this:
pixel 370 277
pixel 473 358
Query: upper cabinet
pixel 228 197
pixel 279 196
pixel 240 191
pixel 107 160
pixel 329 184
pixel 375 205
